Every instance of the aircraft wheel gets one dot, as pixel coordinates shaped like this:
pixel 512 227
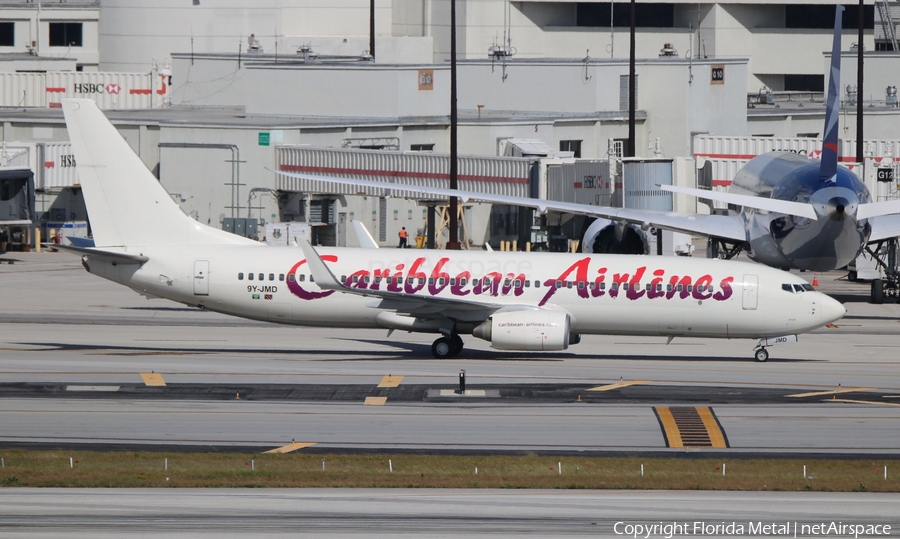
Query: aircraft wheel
pixel 456 345
pixel 877 291
pixel 762 355
pixel 442 348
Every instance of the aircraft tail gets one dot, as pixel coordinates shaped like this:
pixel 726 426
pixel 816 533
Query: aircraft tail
pixel 127 206
pixel 828 166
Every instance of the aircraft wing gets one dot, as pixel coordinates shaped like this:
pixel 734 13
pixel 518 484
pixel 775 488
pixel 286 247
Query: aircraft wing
pixel 366 241
pixel 884 227
pixel 721 226
pixel 419 306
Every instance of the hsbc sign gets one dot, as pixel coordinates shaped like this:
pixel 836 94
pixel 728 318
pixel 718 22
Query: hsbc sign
pixel 92 88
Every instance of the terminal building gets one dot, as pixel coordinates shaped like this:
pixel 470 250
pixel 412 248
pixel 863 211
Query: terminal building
pixel 210 97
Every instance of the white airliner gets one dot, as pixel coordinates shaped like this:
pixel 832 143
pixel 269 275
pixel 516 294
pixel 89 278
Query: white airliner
pixel 516 301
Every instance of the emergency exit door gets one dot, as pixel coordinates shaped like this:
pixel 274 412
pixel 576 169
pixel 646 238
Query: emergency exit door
pixel 751 292
pixel 201 277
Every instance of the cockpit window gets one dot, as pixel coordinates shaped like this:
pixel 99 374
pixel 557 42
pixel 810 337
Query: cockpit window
pixel 798 288
pixel 809 288
pixel 786 287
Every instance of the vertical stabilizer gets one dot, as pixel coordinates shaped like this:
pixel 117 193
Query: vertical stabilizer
pixel 828 166
pixel 126 204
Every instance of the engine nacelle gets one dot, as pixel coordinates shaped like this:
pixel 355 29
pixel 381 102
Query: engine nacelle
pixel 527 330
pixel 604 236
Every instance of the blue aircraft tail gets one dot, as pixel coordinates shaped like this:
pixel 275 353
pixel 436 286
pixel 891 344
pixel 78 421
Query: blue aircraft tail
pixel 828 167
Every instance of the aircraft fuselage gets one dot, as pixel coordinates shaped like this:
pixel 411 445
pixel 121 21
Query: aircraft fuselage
pixel 831 241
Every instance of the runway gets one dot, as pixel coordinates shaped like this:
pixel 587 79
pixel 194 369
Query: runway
pixel 100 513
pixel 73 348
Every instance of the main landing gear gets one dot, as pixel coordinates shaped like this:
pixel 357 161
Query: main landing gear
pixel 447 347
pixel 717 248
pixel 887 259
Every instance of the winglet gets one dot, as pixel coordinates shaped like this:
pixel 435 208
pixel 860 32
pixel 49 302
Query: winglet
pixel 828 166
pixel 366 241
pixel 320 272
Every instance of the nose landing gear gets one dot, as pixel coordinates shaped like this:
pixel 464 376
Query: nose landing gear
pixel 761 354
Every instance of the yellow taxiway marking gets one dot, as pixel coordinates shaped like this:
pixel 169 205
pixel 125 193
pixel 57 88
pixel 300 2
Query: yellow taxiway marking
pixel 390 381
pixel 375 401
pixel 293 446
pixel 618 385
pixel 716 436
pixel 851 401
pixel 832 392
pixel 673 435
pixel 153 379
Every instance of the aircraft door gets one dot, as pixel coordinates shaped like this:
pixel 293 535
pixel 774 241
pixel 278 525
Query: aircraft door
pixel 751 292
pixel 201 277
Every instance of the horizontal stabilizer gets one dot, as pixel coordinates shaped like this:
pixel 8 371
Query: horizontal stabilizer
pixel 97 254
pixel 80 242
pixel 785 207
pixel 874 209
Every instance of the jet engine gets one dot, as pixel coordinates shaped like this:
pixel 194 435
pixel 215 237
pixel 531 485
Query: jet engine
pixel 604 236
pixel 533 330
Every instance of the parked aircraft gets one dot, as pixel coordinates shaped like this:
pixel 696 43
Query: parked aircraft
pixel 516 301
pixel 785 210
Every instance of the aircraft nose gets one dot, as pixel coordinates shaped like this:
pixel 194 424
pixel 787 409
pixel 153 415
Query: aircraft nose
pixel 832 310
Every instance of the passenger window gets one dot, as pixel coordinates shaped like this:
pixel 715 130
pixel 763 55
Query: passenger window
pixel 462 282
pixel 302 277
pixel 241 276
pixel 452 281
pixel 527 284
pixel 440 281
pixel 355 279
pixel 580 285
pixel 690 288
pixel 568 284
pixel 399 280
pixel 430 280
pixel 249 276
pixel 366 279
pixel 624 286
pixel 344 279
pixel 602 286
pixel 271 276
pixel 475 283
pixel 681 288
pixel 787 288
pixel 281 277
pixel 668 288
pixel 291 277
pixel 537 284
pixel 506 283
pixel 312 278
pixel 421 281
pixel 700 288
pixel 388 279
pixel 559 284
pixel 378 279
pixel 649 287
pixel 262 276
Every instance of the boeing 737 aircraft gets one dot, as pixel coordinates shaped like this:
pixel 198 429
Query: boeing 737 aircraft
pixel 516 301
pixel 786 210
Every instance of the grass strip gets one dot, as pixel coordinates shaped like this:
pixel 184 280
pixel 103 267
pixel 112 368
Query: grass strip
pixel 37 468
